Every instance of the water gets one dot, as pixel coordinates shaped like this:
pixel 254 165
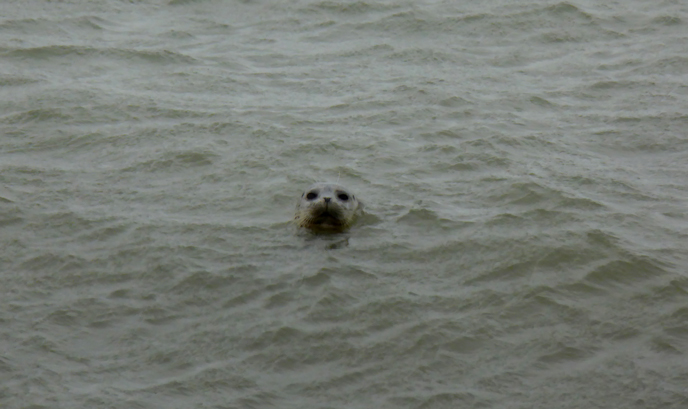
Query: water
pixel 523 166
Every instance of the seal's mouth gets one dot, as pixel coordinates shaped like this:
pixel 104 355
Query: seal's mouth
pixel 327 218
pixel 324 217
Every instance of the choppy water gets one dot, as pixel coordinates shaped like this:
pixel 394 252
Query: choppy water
pixel 523 164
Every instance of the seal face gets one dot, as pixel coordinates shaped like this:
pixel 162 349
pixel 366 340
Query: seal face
pixel 327 207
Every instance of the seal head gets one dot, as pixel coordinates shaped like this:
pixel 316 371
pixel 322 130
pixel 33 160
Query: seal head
pixel 327 207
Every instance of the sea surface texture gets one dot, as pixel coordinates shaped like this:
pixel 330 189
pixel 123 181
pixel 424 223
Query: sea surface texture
pixel 524 168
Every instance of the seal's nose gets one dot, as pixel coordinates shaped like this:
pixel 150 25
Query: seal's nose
pixel 327 199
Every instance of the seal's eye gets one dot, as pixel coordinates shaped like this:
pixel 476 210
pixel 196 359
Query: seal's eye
pixel 311 195
pixel 343 197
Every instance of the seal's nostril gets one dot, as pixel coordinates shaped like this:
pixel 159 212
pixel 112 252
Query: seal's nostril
pixel 327 199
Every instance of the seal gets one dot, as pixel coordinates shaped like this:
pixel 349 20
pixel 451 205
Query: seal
pixel 327 207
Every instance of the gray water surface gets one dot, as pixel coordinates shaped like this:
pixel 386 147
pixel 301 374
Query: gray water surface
pixel 523 166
